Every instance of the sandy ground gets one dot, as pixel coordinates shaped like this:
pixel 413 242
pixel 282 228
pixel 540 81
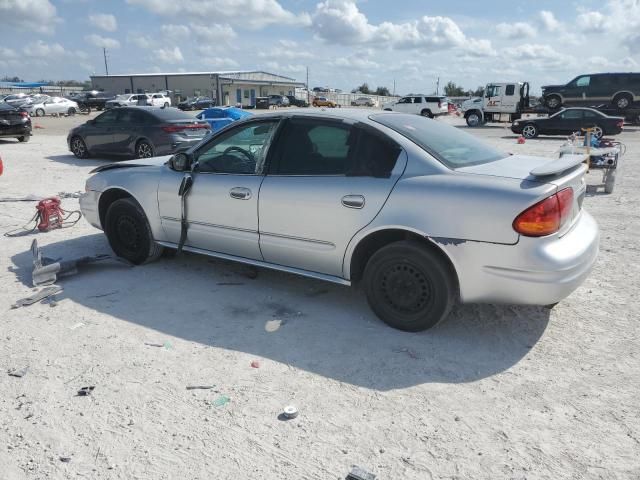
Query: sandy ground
pixel 495 392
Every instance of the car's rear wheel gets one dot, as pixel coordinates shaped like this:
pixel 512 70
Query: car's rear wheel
pixel 71 111
pixel 79 148
pixel 426 113
pixel 530 131
pixel 553 101
pixel 144 149
pixel 39 112
pixel 408 286
pixel 24 138
pixel 129 233
pixel 622 100
pixel 598 131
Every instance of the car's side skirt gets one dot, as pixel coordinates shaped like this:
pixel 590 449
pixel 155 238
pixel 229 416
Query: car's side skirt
pixel 259 263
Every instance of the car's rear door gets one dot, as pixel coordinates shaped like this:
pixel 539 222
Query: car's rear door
pixel 222 207
pixel 327 180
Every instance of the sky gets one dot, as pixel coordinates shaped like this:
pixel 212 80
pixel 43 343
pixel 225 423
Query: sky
pixel 406 43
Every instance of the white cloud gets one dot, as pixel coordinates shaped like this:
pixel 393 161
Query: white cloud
pixel 217 63
pixel 169 55
pixel 141 41
pixel 356 61
pixel 548 21
pixel 105 21
pixel 175 32
pixel 515 30
pixel 214 33
pixel 594 21
pixel 286 49
pixel 249 13
pixel 35 15
pixel 100 41
pixel 7 53
pixel 40 49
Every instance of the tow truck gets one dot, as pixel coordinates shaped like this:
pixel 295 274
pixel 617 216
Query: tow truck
pixel 502 102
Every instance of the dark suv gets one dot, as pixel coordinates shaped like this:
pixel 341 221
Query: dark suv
pixel 14 122
pixel 620 89
pixel 92 100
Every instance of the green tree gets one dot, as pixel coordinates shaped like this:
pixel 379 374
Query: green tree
pixel 364 88
pixel 382 91
pixel 453 90
pixel 7 78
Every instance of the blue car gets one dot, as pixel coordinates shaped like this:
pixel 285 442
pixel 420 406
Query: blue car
pixel 219 117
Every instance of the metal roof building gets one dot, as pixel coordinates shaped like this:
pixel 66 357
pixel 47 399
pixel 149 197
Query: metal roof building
pixel 230 87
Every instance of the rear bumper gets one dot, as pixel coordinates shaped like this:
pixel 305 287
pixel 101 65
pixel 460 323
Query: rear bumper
pixel 535 271
pixel 16 131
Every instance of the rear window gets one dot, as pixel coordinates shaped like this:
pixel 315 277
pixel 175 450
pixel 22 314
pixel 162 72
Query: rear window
pixel 451 146
pixel 170 114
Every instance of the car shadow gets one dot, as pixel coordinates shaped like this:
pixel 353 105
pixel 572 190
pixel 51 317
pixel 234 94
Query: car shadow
pixel 322 328
pixel 71 159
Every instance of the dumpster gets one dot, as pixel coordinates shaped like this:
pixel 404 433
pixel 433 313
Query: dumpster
pixel 219 117
pixel 262 103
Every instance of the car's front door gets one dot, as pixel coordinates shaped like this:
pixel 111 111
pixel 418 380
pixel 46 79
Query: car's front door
pixel 576 91
pixel 567 121
pixel 222 206
pixel 404 105
pixel 98 134
pixel 327 180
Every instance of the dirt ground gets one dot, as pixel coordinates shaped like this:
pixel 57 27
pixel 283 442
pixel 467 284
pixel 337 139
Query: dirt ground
pixel 494 392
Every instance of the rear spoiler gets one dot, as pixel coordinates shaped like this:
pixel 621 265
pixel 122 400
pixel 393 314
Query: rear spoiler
pixel 562 164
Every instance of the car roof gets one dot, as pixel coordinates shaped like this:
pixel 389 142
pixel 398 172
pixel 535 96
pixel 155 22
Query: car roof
pixel 355 114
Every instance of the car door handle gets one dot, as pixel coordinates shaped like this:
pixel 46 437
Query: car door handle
pixel 353 201
pixel 240 193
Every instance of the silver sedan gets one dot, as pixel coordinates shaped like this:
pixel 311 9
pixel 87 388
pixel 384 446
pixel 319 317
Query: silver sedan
pixel 418 212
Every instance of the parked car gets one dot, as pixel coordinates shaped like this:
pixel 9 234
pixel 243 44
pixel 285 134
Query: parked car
pixel 620 89
pixel 567 121
pixel 323 102
pixel 418 211
pixel 278 101
pixel 427 106
pixel 129 100
pixel 220 117
pixel 196 103
pixel 93 100
pixel 297 102
pixel 17 99
pixel 364 102
pixel 160 100
pixel 137 132
pixel 54 106
pixel 14 122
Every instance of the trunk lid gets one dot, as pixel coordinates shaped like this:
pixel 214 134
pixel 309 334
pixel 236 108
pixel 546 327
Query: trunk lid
pixel 565 172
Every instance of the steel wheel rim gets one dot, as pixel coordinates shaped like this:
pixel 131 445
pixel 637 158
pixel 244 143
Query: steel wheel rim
pixel 128 233
pixel 553 102
pixel 623 102
pixel 597 131
pixel 144 150
pixel 78 147
pixel 474 119
pixel 529 131
pixel 405 288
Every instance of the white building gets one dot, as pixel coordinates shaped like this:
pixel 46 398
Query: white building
pixel 231 88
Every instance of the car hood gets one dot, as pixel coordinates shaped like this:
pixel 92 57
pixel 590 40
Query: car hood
pixel 143 162
pixel 544 87
pixel 524 167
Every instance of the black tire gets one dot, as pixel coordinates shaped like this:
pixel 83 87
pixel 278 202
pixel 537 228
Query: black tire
pixel 39 112
pixel 622 101
pixel 129 234
pixel 553 101
pixel 473 119
pixel 530 130
pixel 24 138
pixel 408 286
pixel 426 113
pixel 79 148
pixel 144 149
pixel 71 112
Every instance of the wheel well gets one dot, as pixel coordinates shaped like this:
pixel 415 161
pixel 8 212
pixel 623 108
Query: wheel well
pixel 107 198
pixel 375 241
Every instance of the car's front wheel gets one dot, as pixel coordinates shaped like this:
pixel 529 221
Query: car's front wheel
pixel 473 119
pixel 79 148
pixel 129 233
pixel 24 138
pixel 530 131
pixel 408 286
pixel 553 101
pixel 426 113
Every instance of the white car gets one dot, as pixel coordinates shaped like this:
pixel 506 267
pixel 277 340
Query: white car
pixel 53 106
pixel 129 100
pixel 427 106
pixel 160 100
pixel 364 102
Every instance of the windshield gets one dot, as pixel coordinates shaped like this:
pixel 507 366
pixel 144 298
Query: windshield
pixel 123 97
pixel 450 145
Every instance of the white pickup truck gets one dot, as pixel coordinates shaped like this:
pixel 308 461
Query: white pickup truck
pixel 425 105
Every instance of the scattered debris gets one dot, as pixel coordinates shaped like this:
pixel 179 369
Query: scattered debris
pixel 77 194
pixel 77 325
pixel 290 411
pixel 358 473
pixel 28 416
pixel 15 372
pixel 149 344
pixel 65 459
pixel 200 387
pixel 38 296
pixel 273 325
pixel 255 364
pixel 85 391
pixel 521 140
pixel 220 401
pixel 26 198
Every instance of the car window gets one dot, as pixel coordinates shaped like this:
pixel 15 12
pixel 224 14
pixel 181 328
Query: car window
pixel 315 147
pixel 492 91
pixel 510 90
pixel 106 117
pixel 583 81
pixel 405 100
pixel 451 146
pixel 134 117
pixel 417 99
pixel 376 154
pixel 571 114
pixel 241 150
pixel 590 114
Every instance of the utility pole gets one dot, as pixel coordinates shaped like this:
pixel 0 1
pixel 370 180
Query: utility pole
pixel 438 86
pixel 394 87
pixel 106 66
pixel 307 84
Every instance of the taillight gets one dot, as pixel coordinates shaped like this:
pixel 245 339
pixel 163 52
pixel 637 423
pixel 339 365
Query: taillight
pixel 180 128
pixel 620 123
pixel 24 114
pixel 545 217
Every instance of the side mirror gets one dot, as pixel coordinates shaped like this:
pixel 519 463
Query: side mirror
pixel 180 162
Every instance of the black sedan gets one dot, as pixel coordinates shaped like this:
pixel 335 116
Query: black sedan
pixel 196 103
pixel 138 132
pixel 567 121
pixel 14 123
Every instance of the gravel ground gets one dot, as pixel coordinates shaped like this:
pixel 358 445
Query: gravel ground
pixel 495 392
